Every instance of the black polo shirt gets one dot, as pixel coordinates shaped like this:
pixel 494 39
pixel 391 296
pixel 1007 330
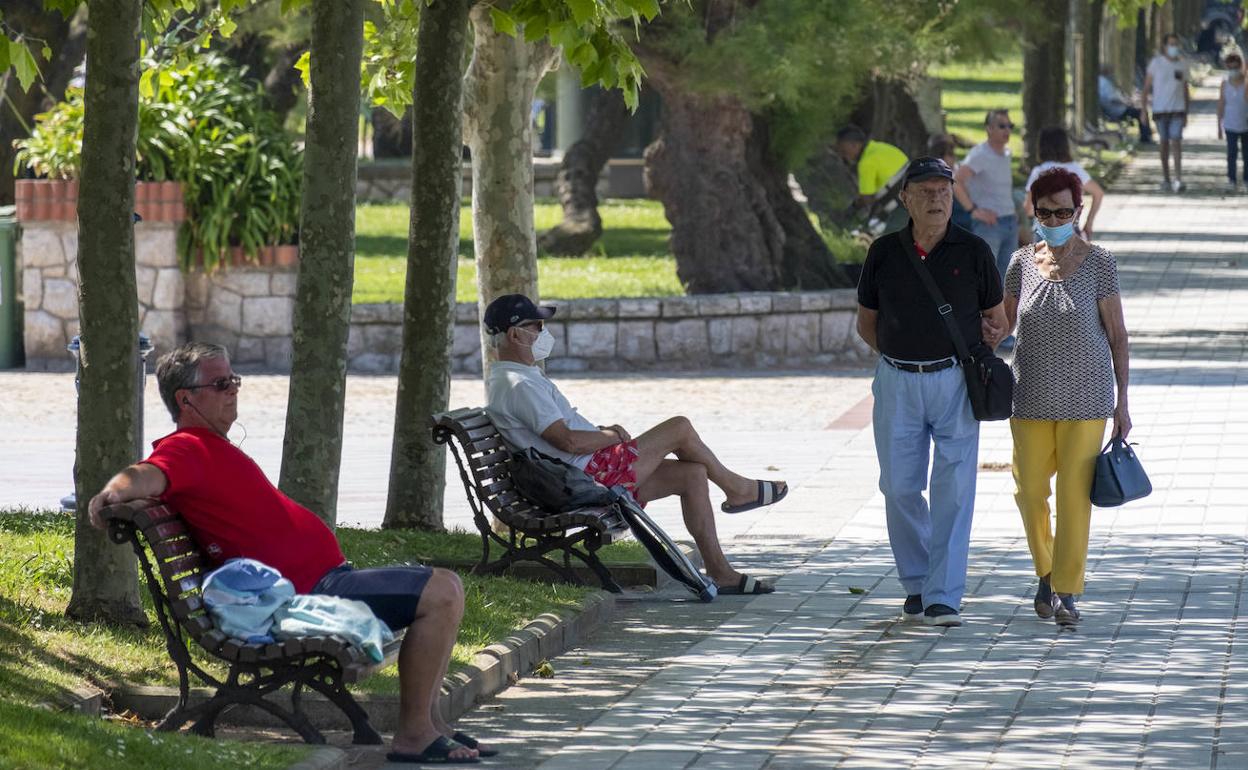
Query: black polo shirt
pixel 909 326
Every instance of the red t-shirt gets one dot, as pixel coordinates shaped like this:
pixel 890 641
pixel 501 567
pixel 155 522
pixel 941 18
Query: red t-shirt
pixel 233 510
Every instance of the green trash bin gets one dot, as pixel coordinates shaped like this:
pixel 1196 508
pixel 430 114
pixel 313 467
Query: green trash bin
pixel 10 331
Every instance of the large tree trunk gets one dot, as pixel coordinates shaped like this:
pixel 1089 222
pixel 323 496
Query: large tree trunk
pixel 735 224
pixel 578 176
pixel 417 465
pixel 312 450
pixel 500 83
pixel 1044 72
pixel 830 187
pixel 105 576
pixel 1085 59
pixel 68 41
pixel 889 113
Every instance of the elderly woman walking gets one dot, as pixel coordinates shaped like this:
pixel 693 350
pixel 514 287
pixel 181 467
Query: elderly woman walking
pixel 1062 293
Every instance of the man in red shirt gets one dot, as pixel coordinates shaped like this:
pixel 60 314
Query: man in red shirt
pixel 233 510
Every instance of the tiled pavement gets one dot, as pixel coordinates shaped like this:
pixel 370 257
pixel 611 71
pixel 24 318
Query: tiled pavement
pixel 821 674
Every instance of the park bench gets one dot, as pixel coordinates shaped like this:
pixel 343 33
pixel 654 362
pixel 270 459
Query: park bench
pixel 326 664
pixel 531 532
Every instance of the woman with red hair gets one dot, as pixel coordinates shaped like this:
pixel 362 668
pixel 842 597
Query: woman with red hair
pixel 1062 294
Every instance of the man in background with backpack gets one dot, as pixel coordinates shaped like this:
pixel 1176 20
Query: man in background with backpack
pixel 529 411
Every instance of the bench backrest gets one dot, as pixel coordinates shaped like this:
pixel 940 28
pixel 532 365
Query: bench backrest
pixel 488 459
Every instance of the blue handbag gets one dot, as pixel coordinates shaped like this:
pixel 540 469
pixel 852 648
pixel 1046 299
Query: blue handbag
pixel 1119 476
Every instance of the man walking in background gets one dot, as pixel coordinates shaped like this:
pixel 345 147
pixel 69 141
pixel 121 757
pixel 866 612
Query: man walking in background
pixel 1167 94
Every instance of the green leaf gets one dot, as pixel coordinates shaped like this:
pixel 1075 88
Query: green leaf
pixel 503 22
pixel 582 11
pixel 857 590
pixel 227 27
pixel 4 54
pixel 47 52
pixel 303 65
pixel 146 89
pixel 23 63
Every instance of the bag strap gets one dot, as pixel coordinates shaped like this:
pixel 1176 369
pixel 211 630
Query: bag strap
pixel 943 308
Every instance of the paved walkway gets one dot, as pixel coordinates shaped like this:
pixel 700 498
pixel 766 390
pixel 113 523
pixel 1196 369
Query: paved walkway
pixel 821 674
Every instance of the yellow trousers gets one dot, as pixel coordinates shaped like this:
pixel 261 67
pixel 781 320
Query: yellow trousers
pixel 1069 449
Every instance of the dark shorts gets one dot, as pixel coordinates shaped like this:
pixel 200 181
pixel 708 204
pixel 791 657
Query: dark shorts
pixel 392 593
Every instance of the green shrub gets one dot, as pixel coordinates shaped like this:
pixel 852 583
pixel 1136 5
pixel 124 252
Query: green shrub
pixel 205 126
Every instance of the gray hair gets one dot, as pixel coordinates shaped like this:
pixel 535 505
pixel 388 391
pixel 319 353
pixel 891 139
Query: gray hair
pixel 179 369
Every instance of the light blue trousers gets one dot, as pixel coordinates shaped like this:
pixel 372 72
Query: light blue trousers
pixel 912 413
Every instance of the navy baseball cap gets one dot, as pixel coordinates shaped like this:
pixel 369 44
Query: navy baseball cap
pixel 512 309
pixel 928 168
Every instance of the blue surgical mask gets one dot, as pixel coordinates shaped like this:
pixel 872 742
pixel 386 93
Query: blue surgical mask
pixel 1056 236
pixel 1172 51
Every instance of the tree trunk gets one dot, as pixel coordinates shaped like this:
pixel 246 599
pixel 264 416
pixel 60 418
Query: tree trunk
pixel 312 450
pixel 889 113
pixel 1092 61
pixel 68 41
pixel 498 91
pixel 735 224
pixel 417 465
pixel 105 575
pixel 578 176
pixel 1044 72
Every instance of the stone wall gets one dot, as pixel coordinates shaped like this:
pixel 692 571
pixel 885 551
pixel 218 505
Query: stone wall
pixel 247 309
pixel 742 331
pixel 47 258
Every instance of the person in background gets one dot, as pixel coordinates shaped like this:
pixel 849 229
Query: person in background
pixel 984 186
pixel 1071 372
pixel 943 146
pixel 1116 105
pixel 1054 150
pixel 877 163
pixel 1233 119
pixel 1167 94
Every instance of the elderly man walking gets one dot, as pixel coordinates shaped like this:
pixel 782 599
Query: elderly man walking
pixel 920 393
pixel 1166 93
pixel 530 411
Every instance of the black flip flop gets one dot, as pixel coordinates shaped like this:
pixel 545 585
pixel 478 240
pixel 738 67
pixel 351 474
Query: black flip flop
pixel 747 585
pixel 438 752
pixel 464 739
pixel 769 492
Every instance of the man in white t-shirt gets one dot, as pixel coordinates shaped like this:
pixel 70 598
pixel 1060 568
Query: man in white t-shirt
pixel 529 411
pixel 1166 92
pixel 984 185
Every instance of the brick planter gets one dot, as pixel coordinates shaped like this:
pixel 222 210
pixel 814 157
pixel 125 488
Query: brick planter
pixel 56 200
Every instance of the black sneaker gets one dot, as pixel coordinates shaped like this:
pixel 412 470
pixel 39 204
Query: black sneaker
pixel 1065 612
pixel 913 608
pixel 941 615
pixel 1044 599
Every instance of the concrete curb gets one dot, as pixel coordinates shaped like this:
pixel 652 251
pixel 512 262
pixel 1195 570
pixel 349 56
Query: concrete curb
pixel 83 700
pixel 493 670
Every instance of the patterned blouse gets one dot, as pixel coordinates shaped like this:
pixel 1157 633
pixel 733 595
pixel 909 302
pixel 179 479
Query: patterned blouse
pixel 1062 364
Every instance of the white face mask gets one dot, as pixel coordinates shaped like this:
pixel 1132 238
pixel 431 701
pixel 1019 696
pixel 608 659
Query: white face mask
pixel 542 346
pixel 1172 51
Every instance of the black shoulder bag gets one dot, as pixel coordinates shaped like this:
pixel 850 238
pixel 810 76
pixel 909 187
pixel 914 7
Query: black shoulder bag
pixel 989 381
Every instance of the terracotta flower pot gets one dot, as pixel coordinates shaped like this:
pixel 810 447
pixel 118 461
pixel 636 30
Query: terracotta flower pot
pixel 24 195
pixel 71 199
pixel 42 200
pixel 286 255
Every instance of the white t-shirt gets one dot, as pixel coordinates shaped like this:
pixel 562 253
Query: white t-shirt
pixel 523 403
pixel 1169 85
pixel 1072 167
pixel 991 187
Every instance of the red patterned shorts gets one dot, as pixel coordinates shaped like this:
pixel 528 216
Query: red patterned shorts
pixel 613 465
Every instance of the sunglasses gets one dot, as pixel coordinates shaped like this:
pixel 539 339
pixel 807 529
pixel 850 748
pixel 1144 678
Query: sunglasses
pixel 1051 213
pixel 221 384
pixel 1006 126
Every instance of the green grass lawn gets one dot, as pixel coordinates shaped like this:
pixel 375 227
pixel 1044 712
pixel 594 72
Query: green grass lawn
pixel 968 91
pixel 631 259
pixel 43 654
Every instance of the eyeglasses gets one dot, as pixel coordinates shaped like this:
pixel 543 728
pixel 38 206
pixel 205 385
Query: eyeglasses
pixel 1006 126
pixel 1052 213
pixel 221 384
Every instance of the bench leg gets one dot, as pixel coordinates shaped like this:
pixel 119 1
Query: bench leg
pixel 365 733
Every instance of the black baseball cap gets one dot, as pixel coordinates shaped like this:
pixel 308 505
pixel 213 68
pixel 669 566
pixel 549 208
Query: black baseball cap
pixel 928 168
pixel 512 309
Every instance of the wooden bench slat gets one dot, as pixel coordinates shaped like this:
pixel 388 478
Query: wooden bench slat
pixel 198 625
pixel 168 530
pixel 479 432
pixel 485 445
pixel 187 606
pixel 173 568
pixel 165 550
pixel 469 418
pixel 231 648
pixel 213 641
pixel 150 517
